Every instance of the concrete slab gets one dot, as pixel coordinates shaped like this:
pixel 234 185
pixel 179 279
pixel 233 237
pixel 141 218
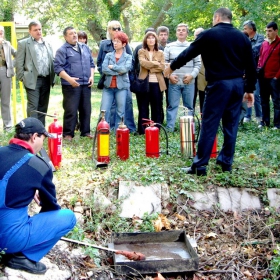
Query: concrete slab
pixel 204 201
pixel 234 199
pixel 139 199
pixel 274 197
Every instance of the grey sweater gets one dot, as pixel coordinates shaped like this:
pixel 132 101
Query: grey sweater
pixel 172 50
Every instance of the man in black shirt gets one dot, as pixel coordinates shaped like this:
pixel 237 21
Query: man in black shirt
pixel 227 55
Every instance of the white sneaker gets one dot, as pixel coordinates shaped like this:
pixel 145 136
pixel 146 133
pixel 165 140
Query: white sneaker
pixel 275 128
pixel 246 120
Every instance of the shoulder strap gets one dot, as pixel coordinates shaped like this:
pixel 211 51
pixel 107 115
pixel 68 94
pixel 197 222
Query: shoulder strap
pixel 271 53
pixel 16 166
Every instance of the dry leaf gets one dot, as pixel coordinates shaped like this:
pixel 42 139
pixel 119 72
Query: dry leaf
pixel 247 273
pixel 161 222
pixel 211 235
pixel 158 224
pixel 180 217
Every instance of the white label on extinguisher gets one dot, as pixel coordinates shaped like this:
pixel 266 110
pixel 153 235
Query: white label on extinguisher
pixel 59 150
pixel 54 134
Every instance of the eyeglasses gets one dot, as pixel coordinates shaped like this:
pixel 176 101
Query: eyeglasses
pixel 116 28
pixel 117 42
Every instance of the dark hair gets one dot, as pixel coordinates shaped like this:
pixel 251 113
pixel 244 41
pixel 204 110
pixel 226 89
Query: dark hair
pixel 66 29
pixel 162 29
pixel 122 37
pixel 273 25
pixel 145 45
pixel 150 29
pixel 82 35
pixel 33 23
pixel 225 13
pixel 251 24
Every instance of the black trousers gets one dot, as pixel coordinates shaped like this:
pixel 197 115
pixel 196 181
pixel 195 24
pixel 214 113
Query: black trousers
pixel 153 99
pixel 76 99
pixel 222 101
pixel 38 99
pixel 270 87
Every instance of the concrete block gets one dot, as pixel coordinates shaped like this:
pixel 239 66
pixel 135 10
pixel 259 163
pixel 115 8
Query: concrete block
pixel 274 197
pixel 234 199
pixel 139 199
pixel 204 201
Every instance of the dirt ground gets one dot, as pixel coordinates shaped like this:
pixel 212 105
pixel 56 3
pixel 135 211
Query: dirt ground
pixel 229 245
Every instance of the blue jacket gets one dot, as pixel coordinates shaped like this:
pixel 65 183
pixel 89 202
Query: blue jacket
pixel 75 64
pixel 120 69
pixel 106 46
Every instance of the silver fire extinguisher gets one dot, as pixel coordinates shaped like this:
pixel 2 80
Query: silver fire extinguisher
pixel 187 133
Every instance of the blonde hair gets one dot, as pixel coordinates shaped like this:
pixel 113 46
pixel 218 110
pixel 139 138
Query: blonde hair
pixel 2 28
pixel 110 25
pixel 183 25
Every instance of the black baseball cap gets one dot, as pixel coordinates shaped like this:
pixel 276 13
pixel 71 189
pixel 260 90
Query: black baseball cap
pixel 32 125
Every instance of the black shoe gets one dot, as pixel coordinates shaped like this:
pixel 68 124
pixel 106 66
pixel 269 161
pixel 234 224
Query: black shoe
pixel 197 171
pixel 225 168
pixel 23 263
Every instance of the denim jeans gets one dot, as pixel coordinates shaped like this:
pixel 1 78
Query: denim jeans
pixel 128 116
pixel 110 95
pixel 257 104
pixel 174 94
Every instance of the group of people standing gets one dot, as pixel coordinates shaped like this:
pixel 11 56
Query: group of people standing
pixel 230 70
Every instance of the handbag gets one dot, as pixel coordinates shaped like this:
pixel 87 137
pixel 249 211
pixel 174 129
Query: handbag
pixel 140 85
pixel 101 81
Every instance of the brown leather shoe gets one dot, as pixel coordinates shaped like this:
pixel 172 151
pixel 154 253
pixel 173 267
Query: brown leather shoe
pixel 68 138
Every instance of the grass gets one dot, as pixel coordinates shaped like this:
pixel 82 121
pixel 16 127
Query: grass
pixel 256 166
pixel 256 162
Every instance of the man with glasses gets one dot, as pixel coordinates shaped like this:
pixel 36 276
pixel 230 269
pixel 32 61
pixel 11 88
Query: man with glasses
pixel 256 39
pixel 107 46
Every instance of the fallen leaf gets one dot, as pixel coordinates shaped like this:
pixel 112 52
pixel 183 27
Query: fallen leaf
pixel 247 273
pixel 211 235
pixel 180 217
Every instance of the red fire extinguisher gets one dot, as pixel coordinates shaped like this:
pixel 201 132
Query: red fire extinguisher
pixel 152 139
pixel 214 152
pixel 55 144
pixel 122 140
pixel 103 140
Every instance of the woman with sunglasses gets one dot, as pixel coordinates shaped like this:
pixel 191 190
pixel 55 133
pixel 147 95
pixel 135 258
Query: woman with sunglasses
pixel 107 46
pixel 115 66
pixel 151 61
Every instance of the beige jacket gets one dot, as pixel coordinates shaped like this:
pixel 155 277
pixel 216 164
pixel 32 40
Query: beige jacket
pixel 147 65
pixel 9 51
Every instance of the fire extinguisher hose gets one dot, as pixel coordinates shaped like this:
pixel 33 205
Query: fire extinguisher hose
pixel 94 138
pixel 166 136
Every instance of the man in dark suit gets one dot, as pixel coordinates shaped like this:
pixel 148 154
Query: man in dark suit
pixel 225 61
pixel 34 67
